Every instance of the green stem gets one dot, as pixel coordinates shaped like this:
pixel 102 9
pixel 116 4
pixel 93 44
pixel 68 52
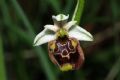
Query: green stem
pixel 78 11
pixel 2 61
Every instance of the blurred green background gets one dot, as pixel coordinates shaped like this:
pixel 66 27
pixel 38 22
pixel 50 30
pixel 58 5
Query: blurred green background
pixel 21 20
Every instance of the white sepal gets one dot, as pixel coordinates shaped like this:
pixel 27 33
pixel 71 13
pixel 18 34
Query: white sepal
pixel 51 27
pixel 70 24
pixel 80 34
pixel 44 37
pixel 60 17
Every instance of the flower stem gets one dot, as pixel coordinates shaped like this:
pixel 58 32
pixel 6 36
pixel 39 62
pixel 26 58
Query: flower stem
pixel 78 11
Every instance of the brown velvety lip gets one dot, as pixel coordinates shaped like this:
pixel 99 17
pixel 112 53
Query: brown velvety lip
pixel 67 54
pixel 74 59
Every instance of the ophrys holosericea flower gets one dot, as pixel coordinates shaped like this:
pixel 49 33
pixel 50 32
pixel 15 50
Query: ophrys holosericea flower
pixel 63 42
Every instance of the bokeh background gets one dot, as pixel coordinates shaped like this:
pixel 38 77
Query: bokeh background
pixel 21 20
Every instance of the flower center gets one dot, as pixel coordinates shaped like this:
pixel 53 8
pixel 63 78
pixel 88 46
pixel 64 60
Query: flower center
pixel 62 33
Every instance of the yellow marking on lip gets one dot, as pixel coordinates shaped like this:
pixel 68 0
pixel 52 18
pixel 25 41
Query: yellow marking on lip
pixel 66 67
pixel 52 46
pixel 74 43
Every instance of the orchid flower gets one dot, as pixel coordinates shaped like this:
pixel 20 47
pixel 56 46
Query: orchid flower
pixel 63 42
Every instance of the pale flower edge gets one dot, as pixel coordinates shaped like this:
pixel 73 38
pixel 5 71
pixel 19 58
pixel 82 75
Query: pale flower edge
pixel 80 34
pixel 44 37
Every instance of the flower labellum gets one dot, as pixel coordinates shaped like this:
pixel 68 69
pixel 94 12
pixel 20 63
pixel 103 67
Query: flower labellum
pixel 63 42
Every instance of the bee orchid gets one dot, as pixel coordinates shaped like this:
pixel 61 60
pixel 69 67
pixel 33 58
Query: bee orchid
pixel 63 42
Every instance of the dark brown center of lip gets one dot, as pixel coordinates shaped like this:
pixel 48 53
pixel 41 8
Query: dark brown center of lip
pixel 63 60
pixel 65 52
